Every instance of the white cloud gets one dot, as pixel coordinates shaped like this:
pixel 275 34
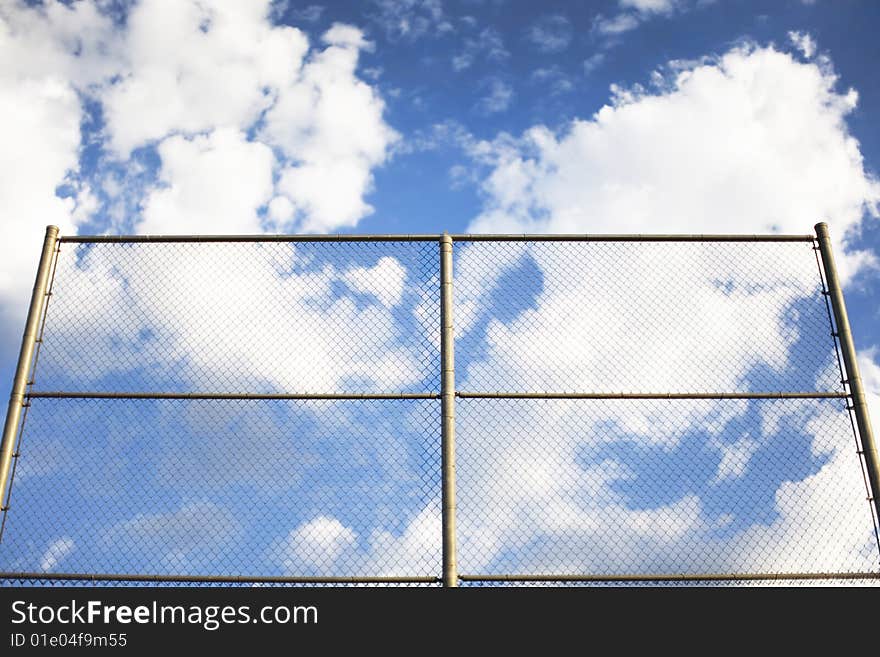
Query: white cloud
pixel 330 125
pixel 417 546
pixel 346 36
pixel 40 117
pixel 498 98
pixel 616 24
pixel 713 334
pixel 829 503
pixel 593 62
pixel 191 78
pixel 318 543
pixel 488 43
pixel 754 142
pixel 462 61
pixel 551 33
pixel 222 67
pixel 635 12
pixel 193 66
pixel 557 81
pixel 411 19
pixel 735 457
pixel 37 116
pixel 217 180
pixel 803 42
pixel 324 544
pixel 67 42
pixel 649 6
pixel 385 280
pixel 56 553
pixel 281 210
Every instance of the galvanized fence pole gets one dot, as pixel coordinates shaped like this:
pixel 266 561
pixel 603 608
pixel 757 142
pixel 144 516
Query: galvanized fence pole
pixel 447 406
pixel 25 359
pixel 850 364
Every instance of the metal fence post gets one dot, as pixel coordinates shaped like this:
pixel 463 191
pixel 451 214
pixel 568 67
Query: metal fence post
pixel 850 364
pixel 447 406
pixel 25 359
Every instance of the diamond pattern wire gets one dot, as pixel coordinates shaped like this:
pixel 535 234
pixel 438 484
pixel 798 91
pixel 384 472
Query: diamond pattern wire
pixel 314 317
pixel 268 488
pixel 597 487
pixel 641 317
pixel 253 488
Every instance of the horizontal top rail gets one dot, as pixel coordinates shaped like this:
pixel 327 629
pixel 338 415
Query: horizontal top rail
pixel 462 237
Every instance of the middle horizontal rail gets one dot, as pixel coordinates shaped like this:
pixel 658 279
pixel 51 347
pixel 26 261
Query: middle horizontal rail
pixel 61 394
pixel 651 395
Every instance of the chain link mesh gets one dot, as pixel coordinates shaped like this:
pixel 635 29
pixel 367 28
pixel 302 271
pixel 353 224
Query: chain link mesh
pixel 641 317
pixel 659 487
pixel 349 487
pixel 312 317
pixel 250 488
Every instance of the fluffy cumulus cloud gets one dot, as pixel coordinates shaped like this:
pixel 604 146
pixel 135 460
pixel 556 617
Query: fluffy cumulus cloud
pixel 754 141
pixel 40 117
pixel 226 67
pixel 318 543
pixel 190 67
pixel 385 280
pixel 215 87
pixel 216 180
pixel 326 546
pixel 331 126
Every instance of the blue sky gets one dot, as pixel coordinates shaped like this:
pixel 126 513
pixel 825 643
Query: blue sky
pixel 436 64
pixel 418 116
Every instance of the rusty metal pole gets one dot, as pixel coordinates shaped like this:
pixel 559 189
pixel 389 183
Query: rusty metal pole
pixel 447 409
pixel 25 359
pixel 850 364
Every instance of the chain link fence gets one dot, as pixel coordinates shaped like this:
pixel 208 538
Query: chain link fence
pixel 627 410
